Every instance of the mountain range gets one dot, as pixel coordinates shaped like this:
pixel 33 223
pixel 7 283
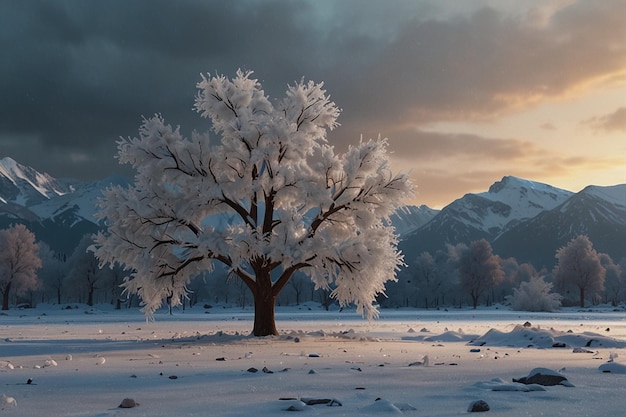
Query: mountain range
pixel 527 220
pixel 523 219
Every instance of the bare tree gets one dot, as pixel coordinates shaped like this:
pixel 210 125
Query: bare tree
pixel 614 280
pixel 524 273
pixel 85 274
pixel 579 266
pixel 116 276
pixel 19 262
pixel 427 278
pixel 298 284
pixel 53 271
pixel 479 270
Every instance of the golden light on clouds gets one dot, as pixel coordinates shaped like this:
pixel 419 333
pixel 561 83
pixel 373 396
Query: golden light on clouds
pixel 466 91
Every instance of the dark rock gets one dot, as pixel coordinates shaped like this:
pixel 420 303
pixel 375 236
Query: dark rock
pixel 478 406
pixel 128 403
pixel 222 359
pixel 589 342
pixel 266 371
pixel 543 377
pixel 331 402
pixel 253 370
pixel 527 324
pixel 558 345
pixel 172 377
pixel 475 350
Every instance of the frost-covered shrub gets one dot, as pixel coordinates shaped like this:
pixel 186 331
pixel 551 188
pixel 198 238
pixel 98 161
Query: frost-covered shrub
pixel 534 295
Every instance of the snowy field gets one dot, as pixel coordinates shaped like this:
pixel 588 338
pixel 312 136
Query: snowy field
pixel 86 361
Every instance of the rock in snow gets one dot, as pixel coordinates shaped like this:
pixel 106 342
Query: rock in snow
pixel 295 405
pixel 478 406
pixel 545 377
pixel 128 403
pixel 498 384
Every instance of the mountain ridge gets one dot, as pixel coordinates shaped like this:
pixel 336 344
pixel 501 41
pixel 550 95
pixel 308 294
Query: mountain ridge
pixel 519 217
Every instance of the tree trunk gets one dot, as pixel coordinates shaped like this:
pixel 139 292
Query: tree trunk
pixel 475 296
pixel 582 296
pixel 264 314
pixel 5 296
pixel 90 298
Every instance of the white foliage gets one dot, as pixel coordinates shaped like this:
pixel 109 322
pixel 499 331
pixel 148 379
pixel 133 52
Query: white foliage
pixel 19 260
pixel 535 295
pixel 298 205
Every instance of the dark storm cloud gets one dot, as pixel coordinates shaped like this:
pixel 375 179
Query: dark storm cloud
pixel 78 74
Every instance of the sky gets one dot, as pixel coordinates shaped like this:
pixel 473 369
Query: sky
pixel 466 91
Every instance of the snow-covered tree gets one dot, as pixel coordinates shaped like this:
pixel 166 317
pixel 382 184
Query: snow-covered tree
pixel 579 266
pixel 535 295
pixel 294 204
pixel 479 270
pixel 19 262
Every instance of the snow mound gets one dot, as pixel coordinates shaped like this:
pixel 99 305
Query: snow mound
pixel 498 384
pixel 382 406
pixel 522 336
pixel 448 336
pixel 613 368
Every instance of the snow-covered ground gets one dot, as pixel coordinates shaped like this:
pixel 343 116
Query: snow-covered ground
pixel 85 362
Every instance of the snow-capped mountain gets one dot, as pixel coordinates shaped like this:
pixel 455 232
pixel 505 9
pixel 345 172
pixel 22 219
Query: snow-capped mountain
pixel 598 212
pixel 78 205
pixel 524 200
pixel 484 215
pixel 25 186
pixel 410 218
pixel 58 212
pixel 524 219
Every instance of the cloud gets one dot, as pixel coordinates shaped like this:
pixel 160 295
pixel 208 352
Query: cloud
pixel 421 145
pixel 83 73
pixel 613 122
pixel 448 165
pixel 489 63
